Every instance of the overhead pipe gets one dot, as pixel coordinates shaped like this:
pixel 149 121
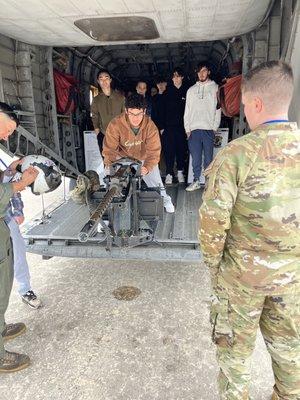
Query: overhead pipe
pixel 91 60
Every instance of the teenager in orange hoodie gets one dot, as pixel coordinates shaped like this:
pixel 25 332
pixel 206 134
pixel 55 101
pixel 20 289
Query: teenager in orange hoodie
pixel 133 134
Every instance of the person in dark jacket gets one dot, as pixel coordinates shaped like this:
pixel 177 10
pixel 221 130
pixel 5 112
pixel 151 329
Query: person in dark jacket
pixel 157 106
pixel 173 133
pixel 141 88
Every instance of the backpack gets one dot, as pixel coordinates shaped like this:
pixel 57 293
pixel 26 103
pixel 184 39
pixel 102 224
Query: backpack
pixel 65 90
pixel 229 96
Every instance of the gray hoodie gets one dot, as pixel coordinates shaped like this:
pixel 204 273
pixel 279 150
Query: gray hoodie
pixel 201 107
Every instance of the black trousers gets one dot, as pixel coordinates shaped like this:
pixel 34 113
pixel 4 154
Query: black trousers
pixel 100 138
pixel 174 144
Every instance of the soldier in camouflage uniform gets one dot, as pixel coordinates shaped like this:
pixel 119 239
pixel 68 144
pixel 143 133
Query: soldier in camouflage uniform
pixel 250 238
pixel 9 362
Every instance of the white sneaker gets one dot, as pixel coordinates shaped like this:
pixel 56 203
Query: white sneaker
pixel 169 207
pixel 193 186
pixel 31 300
pixel 169 179
pixel 180 177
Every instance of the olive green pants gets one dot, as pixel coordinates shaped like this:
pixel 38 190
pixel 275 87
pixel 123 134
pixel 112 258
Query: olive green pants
pixel 235 318
pixel 6 275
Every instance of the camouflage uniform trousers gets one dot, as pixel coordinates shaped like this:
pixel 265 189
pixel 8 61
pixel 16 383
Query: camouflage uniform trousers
pixel 6 276
pixel 235 319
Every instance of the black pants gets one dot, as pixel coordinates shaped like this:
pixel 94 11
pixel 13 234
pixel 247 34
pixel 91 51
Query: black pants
pixel 100 138
pixel 174 145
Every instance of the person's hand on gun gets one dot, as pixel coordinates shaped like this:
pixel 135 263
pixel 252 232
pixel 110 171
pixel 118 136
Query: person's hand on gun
pixel 144 171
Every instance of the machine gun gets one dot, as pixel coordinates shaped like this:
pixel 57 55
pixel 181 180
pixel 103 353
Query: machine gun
pixel 131 213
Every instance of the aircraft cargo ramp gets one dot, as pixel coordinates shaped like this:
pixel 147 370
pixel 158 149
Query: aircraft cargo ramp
pixel 175 236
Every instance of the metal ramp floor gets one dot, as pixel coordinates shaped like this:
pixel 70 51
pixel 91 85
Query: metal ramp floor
pixel 175 236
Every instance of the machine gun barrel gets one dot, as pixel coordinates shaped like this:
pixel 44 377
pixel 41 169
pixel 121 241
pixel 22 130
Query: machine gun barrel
pixel 118 181
pixel 90 227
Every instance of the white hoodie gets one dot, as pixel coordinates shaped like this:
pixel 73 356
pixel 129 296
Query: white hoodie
pixel 201 107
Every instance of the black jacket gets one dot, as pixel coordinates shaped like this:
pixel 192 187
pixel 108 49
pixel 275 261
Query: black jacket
pixel 157 110
pixel 173 106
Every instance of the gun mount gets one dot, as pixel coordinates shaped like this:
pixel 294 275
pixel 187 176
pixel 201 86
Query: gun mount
pixel 126 214
pixel 124 220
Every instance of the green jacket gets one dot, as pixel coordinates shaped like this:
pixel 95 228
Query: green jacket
pixel 250 216
pixel 104 109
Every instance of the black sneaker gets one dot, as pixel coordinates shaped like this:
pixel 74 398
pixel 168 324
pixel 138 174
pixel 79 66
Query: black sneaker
pixel 13 362
pixel 31 300
pixel 13 330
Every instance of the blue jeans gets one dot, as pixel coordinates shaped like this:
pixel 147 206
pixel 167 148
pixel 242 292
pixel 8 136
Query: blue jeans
pixel 201 141
pixel 21 268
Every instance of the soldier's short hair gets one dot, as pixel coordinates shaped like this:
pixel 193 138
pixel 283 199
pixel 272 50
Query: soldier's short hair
pixel 7 110
pixel 273 82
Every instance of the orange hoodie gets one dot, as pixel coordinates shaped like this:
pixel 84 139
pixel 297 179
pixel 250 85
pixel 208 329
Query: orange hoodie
pixel 120 141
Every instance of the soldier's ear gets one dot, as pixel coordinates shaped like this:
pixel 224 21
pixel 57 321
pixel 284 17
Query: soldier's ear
pixel 258 103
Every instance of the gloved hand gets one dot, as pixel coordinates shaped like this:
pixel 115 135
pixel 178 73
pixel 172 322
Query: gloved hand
pixel 94 183
pixel 78 194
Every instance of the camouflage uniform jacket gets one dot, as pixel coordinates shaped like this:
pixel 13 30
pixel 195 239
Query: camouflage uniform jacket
pixel 250 216
pixel 5 195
